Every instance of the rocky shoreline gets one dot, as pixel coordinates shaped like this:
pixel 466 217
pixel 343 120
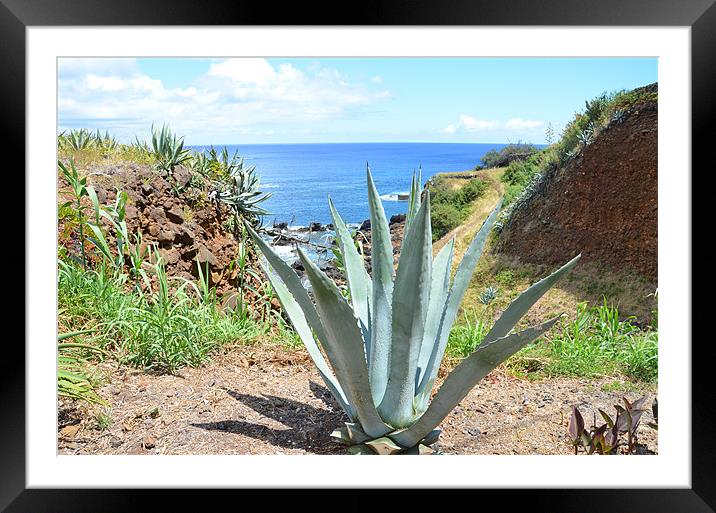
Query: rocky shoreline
pixel 312 238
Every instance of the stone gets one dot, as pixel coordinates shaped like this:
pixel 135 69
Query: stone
pixel 171 256
pixel 175 214
pixel 131 212
pixel 101 195
pixel 158 215
pixel 70 431
pixel 397 218
pixel 203 255
pixel 182 175
pixel 149 442
pixel 166 236
pixel 186 236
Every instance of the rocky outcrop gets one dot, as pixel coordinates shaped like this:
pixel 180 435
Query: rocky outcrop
pixel 397 227
pixel 186 226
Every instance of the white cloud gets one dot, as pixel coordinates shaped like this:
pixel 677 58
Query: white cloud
pixel 469 124
pixel 240 95
pixel 521 124
pixel 245 71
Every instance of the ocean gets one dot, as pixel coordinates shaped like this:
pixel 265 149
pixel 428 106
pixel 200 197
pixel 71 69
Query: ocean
pixel 301 177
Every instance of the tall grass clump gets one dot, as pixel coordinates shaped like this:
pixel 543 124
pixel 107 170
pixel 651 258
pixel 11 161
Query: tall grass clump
pixel 162 329
pixel 467 336
pixel 595 343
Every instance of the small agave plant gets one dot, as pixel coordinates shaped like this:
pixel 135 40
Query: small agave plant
pixel 385 345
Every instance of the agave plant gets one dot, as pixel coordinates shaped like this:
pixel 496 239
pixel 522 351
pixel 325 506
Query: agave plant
pixel 76 139
pixel 385 345
pixel 241 190
pixel 488 295
pixel 168 151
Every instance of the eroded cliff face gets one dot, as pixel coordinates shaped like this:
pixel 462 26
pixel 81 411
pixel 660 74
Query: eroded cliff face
pixel 602 204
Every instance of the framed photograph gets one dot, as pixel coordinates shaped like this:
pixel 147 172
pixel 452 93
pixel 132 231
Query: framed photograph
pixel 181 137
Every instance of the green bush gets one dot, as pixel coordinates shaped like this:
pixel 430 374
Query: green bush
pixel 508 154
pixel 445 217
pixel 450 207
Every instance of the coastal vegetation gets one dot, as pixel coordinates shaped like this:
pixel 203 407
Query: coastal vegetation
pixel 144 283
pixel 611 324
pixel 450 207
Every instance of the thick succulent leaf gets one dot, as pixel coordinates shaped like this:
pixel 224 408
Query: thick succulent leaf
pixel 350 434
pixel 438 294
pixel 384 445
pixel 359 283
pixel 524 302
pixel 464 377
pixel 411 296
pixel 298 320
pixel 413 199
pixel 360 450
pixel 382 297
pixel 419 449
pixel 457 291
pixel 431 437
pixel 344 338
pixel 293 283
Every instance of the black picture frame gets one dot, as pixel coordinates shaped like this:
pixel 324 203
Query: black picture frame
pixel 699 15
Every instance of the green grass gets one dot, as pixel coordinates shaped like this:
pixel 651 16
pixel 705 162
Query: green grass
pixel 465 336
pixel 163 330
pixel 595 343
pixel 103 420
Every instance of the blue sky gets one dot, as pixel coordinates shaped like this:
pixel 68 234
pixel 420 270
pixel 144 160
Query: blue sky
pixel 305 100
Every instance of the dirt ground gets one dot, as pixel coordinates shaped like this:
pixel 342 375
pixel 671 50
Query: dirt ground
pixel 270 400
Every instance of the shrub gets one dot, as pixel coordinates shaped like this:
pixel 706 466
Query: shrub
pixel 510 153
pixel 450 207
pixel 445 217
